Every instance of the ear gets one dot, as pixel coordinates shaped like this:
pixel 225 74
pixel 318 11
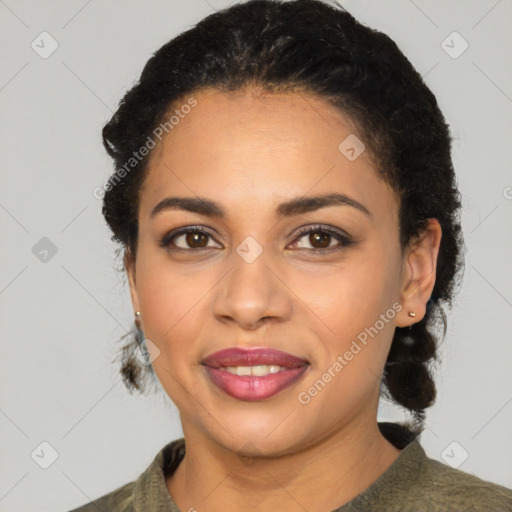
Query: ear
pixel 419 274
pixel 129 265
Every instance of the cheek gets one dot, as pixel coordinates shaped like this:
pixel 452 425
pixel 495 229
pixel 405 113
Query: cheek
pixel 173 312
pixel 337 301
pixel 353 308
pixel 351 295
pixel 174 299
pixel 163 296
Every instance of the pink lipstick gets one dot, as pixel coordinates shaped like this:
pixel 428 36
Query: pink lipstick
pixel 253 374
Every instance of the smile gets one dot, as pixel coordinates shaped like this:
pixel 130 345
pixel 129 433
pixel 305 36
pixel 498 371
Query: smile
pixel 253 374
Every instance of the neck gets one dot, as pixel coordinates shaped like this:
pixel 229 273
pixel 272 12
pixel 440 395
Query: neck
pixel 322 476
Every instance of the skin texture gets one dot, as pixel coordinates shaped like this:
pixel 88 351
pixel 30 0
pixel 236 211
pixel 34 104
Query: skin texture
pixel 249 152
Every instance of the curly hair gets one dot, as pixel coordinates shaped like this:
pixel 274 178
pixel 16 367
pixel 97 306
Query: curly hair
pixel 308 46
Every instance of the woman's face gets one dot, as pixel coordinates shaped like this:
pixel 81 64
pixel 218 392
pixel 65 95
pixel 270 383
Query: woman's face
pixel 254 281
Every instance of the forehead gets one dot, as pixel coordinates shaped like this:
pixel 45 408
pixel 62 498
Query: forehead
pixel 246 148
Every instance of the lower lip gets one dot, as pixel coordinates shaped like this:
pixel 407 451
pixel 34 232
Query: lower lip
pixel 251 388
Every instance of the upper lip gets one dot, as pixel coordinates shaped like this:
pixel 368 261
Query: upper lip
pixel 252 357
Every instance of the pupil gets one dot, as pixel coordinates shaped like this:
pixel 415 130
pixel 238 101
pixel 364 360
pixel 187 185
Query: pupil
pixel 192 238
pixel 322 238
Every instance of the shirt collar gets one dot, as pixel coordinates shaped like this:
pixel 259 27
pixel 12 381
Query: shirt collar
pixel 150 489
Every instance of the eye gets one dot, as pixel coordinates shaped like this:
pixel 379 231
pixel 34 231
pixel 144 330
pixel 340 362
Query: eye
pixel 320 238
pixel 195 237
pixel 192 237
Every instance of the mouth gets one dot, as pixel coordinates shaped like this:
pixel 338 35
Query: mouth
pixel 254 374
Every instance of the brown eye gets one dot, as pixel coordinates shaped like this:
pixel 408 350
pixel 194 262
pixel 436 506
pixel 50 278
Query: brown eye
pixel 196 239
pixel 187 239
pixel 321 238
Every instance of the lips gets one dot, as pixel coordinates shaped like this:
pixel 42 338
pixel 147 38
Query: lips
pixel 253 388
pixel 253 357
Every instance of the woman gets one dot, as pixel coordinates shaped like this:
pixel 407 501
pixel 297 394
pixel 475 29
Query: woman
pixel 286 202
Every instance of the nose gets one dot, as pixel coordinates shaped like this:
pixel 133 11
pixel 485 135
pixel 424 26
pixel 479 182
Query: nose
pixel 252 294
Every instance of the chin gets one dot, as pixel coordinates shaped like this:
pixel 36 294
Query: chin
pixel 255 437
pixel 251 446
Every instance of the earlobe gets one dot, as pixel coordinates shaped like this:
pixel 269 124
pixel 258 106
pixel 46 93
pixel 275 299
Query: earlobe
pixel 419 274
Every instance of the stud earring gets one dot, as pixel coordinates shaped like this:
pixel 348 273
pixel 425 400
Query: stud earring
pixel 137 320
pixel 412 314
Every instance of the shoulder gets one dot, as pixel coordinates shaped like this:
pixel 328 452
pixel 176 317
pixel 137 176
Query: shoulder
pixel 119 500
pixel 453 489
pixel 148 491
pixel 417 482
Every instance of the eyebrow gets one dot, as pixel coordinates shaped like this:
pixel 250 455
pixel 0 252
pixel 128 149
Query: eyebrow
pixel 297 206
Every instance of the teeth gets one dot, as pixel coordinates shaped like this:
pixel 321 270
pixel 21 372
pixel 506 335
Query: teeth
pixel 258 371
pixel 243 370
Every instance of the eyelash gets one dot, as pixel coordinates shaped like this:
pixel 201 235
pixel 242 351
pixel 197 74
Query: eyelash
pixel 344 239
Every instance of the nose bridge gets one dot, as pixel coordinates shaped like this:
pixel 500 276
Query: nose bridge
pixel 251 290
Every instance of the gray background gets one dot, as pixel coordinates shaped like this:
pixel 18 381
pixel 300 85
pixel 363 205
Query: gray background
pixel 62 317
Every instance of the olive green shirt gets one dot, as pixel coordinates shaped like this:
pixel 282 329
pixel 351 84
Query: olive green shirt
pixel 412 483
